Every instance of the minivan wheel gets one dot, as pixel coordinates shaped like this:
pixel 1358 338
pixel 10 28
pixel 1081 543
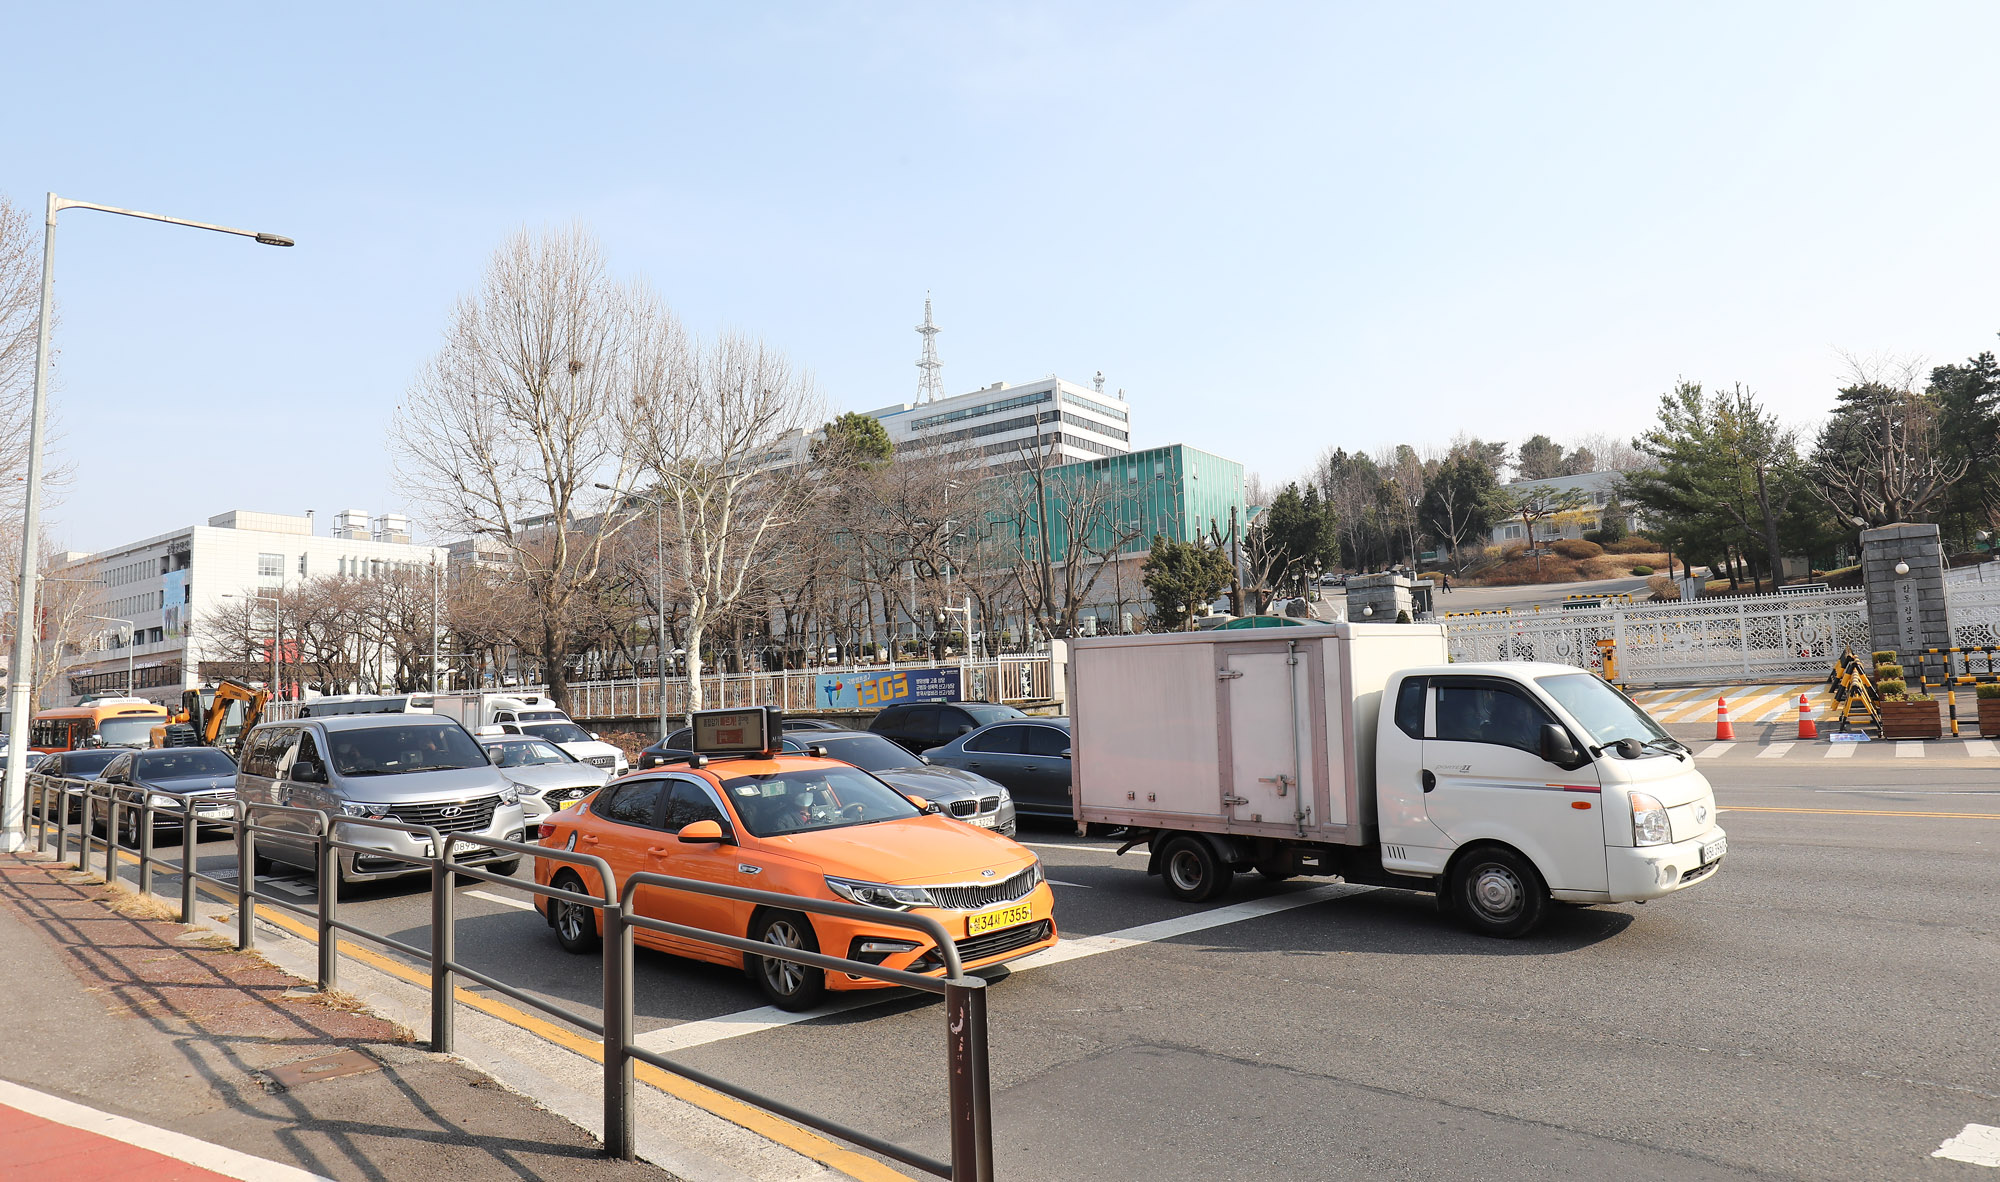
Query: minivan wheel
pixel 788 986
pixel 1192 871
pixel 575 923
pixel 1496 892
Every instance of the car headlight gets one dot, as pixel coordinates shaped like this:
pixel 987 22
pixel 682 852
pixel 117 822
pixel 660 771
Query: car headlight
pixel 1649 821
pixel 362 808
pixel 875 894
pixel 1006 798
pixel 164 802
pixel 510 795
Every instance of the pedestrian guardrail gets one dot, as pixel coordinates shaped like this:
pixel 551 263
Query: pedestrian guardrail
pixel 131 817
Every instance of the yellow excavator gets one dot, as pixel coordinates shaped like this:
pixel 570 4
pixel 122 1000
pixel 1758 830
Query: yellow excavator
pixel 214 718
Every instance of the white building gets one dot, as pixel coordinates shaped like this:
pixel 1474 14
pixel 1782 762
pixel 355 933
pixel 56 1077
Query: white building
pixel 995 424
pixel 168 584
pixel 1596 487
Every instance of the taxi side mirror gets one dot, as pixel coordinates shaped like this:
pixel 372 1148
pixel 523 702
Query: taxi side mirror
pixel 700 832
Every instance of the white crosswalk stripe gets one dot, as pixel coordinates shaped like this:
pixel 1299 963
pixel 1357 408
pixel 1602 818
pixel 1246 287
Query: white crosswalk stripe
pixel 1981 749
pixel 1775 751
pixel 1840 750
pixel 1909 750
pixel 1713 750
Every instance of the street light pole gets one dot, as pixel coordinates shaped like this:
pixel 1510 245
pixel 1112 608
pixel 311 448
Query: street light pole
pixel 132 642
pixel 21 674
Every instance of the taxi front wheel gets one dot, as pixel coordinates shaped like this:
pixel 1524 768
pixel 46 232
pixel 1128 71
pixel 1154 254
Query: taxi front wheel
pixel 789 986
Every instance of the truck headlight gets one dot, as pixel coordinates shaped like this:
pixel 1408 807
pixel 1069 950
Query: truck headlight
pixel 1649 821
pixel 875 894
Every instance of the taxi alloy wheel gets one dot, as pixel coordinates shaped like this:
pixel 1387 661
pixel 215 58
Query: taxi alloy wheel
pixel 789 986
pixel 575 923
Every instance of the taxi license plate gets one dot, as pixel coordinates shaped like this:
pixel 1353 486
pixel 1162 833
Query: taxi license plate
pixel 1713 851
pixel 1005 917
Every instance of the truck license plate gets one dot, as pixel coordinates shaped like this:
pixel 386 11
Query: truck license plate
pixel 1712 851
pixel 1005 917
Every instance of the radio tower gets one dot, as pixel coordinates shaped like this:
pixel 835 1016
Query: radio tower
pixel 930 385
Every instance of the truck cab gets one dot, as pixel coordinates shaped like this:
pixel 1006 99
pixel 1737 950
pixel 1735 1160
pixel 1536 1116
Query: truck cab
pixel 1505 782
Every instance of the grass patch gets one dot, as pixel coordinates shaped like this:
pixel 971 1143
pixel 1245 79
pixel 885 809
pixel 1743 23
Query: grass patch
pixel 133 905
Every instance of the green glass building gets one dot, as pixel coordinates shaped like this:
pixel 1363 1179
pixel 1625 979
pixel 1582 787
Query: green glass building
pixel 1124 500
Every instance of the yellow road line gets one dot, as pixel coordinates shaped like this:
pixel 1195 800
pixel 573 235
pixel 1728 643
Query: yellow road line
pixel 801 1141
pixel 1745 808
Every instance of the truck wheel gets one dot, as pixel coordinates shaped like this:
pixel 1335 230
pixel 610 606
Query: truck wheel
pixel 789 986
pixel 1496 892
pixel 1193 873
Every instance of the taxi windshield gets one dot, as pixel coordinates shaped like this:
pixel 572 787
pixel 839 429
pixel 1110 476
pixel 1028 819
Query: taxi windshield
pixel 799 800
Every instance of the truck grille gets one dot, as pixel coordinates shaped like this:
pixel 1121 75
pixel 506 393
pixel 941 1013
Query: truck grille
pixel 466 816
pixel 1004 940
pixel 979 896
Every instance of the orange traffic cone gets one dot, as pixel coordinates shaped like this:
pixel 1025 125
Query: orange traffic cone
pixel 1806 728
pixel 1724 733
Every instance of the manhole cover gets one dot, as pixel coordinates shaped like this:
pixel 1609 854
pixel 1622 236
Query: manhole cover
pixel 305 1071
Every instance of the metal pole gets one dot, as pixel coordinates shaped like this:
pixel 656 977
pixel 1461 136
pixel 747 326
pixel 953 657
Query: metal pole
pixel 187 868
pixel 146 842
pixel 970 1090
pixel 329 903
pixel 435 597
pixel 246 877
pixel 618 1085
pixel 660 576
pixel 443 949
pixel 20 686
pixel 83 833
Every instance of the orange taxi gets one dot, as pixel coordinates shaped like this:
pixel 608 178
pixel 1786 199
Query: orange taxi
pixel 806 826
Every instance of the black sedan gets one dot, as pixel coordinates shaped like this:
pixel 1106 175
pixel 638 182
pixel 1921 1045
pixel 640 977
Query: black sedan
pixel 965 795
pixel 85 763
pixel 1030 756
pixel 176 777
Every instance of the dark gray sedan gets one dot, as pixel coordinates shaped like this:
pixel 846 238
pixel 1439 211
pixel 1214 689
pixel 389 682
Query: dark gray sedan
pixel 966 795
pixel 1030 756
pixel 203 778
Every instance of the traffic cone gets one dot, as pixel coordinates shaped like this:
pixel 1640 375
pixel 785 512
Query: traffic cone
pixel 1806 728
pixel 1724 733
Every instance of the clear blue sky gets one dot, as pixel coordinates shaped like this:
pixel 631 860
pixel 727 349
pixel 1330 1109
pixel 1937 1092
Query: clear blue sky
pixel 1276 227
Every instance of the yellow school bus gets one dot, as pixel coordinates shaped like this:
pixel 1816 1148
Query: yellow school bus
pixel 106 722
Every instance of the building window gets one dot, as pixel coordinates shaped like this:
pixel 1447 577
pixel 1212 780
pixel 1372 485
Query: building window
pixel 270 566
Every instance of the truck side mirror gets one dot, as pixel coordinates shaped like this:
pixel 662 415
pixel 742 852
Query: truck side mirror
pixel 1556 747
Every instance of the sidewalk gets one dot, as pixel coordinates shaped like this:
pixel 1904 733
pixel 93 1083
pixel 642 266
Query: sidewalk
pixel 144 1019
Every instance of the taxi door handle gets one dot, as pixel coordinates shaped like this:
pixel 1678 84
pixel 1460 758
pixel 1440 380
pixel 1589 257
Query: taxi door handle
pixel 658 851
pixel 1430 781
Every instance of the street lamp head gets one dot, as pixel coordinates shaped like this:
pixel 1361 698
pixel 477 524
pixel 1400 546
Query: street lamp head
pixel 275 240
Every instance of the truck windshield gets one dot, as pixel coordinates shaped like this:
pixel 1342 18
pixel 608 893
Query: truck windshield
pixel 1600 709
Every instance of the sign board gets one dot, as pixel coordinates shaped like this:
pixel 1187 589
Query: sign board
pixel 734 732
pixel 867 691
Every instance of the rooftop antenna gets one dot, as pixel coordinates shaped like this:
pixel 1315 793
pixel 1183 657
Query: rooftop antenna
pixel 930 385
pixel 1099 382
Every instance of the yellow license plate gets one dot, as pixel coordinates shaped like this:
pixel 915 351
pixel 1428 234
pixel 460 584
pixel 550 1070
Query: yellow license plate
pixel 1005 917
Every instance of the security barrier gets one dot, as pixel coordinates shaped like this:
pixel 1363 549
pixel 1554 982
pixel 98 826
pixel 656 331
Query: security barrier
pixel 1945 669
pixel 132 812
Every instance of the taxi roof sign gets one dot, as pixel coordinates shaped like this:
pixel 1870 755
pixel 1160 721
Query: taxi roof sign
pixel 756 730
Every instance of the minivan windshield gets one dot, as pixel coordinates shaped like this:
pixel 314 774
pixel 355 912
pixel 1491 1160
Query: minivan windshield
pixel 1601 710
pixel 803 799
pixel 395 750
pixel 557 732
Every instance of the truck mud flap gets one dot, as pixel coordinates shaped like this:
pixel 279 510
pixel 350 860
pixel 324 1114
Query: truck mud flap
pixel 1227 850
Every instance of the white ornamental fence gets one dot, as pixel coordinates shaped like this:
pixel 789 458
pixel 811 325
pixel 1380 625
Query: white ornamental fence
pixel 1754 638
pixel 996 679
pixel 1973 607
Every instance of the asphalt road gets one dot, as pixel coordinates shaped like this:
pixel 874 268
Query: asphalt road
pixel 1825 1007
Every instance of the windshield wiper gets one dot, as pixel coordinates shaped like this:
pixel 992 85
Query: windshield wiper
pixel 437 767
pixel 1673 747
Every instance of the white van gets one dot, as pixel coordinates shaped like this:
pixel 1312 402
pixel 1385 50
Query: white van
pixel 531 714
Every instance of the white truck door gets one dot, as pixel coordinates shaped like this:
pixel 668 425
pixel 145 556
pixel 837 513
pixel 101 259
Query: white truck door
pixel 1270 749
pixel 1485 780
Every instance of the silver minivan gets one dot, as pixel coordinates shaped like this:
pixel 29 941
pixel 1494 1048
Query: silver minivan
pixel 421 769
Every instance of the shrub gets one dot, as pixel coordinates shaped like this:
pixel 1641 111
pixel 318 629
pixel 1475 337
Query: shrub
pixel 1892 688
pixel 1986 690
pixel 1402 617
pixel 1642 570
pixel 1632 544
pixel 1884 656
pixel 1576 548
pixel 1892 672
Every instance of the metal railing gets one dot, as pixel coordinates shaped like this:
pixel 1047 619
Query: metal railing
pixel 969 1089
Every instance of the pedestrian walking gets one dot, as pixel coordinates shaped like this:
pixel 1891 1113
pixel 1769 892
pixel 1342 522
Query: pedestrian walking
pixel 1447 582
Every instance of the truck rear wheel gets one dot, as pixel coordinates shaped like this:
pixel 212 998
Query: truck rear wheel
pixel 1192 871
pixel 1496 892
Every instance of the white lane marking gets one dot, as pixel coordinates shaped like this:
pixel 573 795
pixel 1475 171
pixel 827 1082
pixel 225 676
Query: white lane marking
pixel 1088 849
pixel 290 886
pixel 1909 749
pixel 1082 886
pixel 488 897
pixel 178 1146
pixel 1713 750
pixel 1774 751
pixel 708 1030
pixel 1840 750
pixel 1977 1145
pixel 1981 749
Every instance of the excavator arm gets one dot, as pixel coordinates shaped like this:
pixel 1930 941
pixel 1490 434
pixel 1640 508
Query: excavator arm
pixel 254 701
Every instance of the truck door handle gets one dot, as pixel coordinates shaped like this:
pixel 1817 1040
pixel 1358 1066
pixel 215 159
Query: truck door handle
pixel 1430 781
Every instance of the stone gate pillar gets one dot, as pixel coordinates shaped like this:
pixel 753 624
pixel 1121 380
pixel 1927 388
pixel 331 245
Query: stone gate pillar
pixel 1906 612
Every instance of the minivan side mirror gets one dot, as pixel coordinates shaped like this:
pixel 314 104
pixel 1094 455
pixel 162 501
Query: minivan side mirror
pixel 965 730
pixel 700 832
pixel 307 771
pixel 1556 747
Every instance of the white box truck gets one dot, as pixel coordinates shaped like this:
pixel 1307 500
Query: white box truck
pixel 1359 750
pixel 530 714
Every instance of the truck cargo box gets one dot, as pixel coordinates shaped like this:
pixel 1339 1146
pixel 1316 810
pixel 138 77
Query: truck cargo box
pixel 1257 732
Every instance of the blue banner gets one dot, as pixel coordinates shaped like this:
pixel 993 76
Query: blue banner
pixel 868 691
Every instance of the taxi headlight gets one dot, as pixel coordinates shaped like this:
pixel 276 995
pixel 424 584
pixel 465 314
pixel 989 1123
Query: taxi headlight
pixel 1649 821
pixel 876 894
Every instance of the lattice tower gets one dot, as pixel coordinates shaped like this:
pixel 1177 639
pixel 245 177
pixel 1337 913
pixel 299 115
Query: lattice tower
pixel 930 381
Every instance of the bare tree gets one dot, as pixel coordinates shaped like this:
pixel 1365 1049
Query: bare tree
pixel 20 310
pixel 1611 453
pixel 1065 527
pixel 508 428
pixel 1881 457
pixel 708 422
